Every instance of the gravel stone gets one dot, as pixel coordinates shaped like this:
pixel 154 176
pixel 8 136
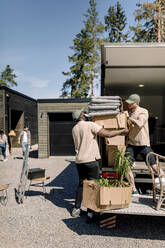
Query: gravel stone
pixel 47 223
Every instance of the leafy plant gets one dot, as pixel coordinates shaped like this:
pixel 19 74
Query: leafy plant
pixel 103 182
pixel 121 164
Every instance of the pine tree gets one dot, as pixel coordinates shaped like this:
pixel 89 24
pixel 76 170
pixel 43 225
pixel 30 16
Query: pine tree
pixel 150 20
pixel 115 24
pixel 85 59
pixel 7 77
pixel 94 29
pixel 78 84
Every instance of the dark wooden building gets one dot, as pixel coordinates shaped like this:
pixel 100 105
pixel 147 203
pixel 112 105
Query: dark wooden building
pixel 17 110
pixel 55 126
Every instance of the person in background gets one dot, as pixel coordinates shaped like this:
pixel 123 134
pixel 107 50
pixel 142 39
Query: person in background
pixel 138 137
pixel 24 139
pixel 3 144
pixel 87 153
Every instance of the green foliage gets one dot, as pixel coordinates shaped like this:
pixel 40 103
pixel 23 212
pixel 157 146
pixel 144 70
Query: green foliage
pixel 121 164
pixel 115 23
pixel 149 19
pixel 7 77
pixel 103 182
pixel 85 60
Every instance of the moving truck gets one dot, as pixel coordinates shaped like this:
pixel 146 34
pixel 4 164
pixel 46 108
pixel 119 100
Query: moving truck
pixel 128 68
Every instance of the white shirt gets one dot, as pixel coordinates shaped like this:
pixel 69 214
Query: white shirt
pixel 24 137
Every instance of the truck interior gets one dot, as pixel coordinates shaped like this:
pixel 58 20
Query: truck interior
pixel 138 68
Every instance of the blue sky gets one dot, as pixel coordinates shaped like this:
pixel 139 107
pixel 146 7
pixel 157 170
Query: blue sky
pixel 36 36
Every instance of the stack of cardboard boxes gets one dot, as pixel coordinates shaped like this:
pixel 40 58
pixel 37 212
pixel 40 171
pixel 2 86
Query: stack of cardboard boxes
pixel 101 198
pixel 114 144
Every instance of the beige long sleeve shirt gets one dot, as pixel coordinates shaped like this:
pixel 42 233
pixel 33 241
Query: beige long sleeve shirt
pixel 139 131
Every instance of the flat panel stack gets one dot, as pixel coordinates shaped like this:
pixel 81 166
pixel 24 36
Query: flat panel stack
pixel 107 112
pixel 104 105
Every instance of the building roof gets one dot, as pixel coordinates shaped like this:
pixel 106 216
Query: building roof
pixel 16 92
pixel 63 100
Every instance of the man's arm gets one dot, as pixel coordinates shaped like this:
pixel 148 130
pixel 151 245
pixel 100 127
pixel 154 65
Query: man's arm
pixel 142 119
pixel 108 134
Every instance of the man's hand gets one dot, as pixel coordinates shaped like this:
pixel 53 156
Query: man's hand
pixel 125 131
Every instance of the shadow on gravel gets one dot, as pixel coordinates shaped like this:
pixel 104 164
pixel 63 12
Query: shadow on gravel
pixel 16 157
pixel 64 188
pixel 127 226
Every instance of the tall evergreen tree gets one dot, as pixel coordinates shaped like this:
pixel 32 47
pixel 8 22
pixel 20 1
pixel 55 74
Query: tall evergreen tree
pixel 94 29
pixel 150 20
pixel 78 84
pixel 7 77
pixel 115 24
pixel 85 59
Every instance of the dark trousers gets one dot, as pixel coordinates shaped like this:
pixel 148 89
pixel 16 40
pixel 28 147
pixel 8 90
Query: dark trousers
pixel 87 171
pixel 133 151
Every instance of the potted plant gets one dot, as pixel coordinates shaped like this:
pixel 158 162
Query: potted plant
pixel 121 165
pixel 105 194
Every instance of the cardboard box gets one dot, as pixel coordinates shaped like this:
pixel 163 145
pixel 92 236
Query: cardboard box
pixel 111 152
pixel 115 141
pixel 99 198
pixel 118 121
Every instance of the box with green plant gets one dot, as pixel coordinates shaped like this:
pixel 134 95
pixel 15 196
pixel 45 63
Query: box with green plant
pixel 121 165
pixel 104 194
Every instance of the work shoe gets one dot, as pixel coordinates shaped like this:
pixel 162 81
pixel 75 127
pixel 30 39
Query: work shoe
pixel 76 212
pixel 135 193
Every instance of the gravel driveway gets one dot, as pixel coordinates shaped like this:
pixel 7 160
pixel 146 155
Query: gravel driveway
pixel 40 223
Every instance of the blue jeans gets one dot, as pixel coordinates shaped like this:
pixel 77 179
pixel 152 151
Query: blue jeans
pixel 133 151
pixel 3 150
pixel 24 144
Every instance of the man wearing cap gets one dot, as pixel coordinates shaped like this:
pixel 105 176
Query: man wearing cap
pixel 87 153
pixel 139 140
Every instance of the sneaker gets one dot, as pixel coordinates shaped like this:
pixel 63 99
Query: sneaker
pixel 5 160
pixel 135 192
pixel 76 212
